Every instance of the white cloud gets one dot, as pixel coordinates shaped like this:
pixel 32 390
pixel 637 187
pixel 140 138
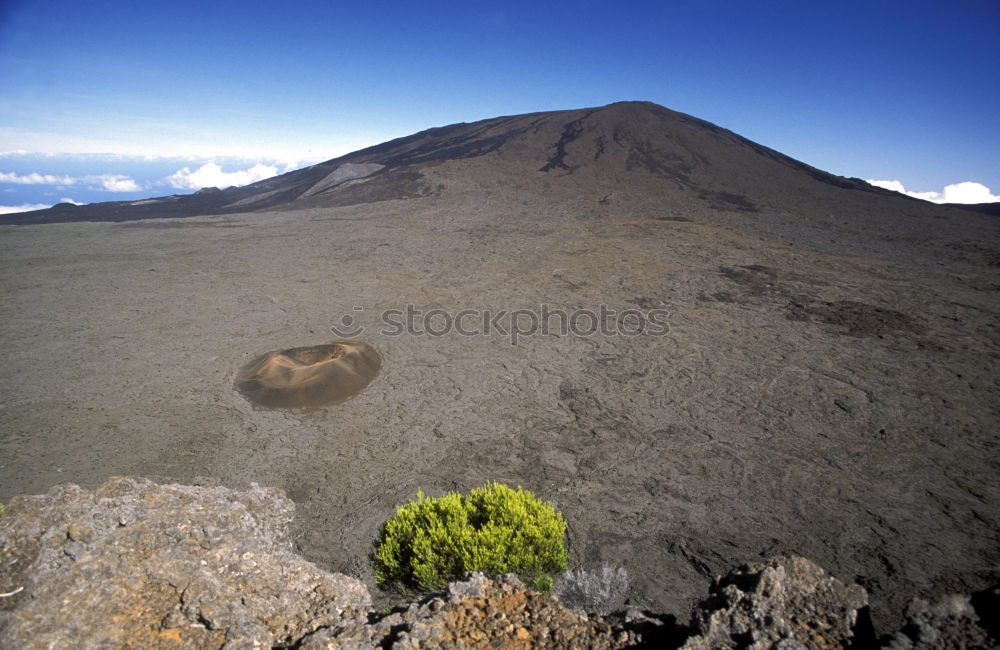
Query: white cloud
pixel 107 182
pixel 895 186
pixel 211 175
pixel 967 192
pixel 35 178
pixel 115 183
pixel 26 207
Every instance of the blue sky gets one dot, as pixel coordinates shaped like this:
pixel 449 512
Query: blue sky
pixel 893 90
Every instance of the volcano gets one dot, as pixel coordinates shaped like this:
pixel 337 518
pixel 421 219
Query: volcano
pixel 634 158
pixel 821 381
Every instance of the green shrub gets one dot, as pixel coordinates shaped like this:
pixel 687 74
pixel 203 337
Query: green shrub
pixel 494 529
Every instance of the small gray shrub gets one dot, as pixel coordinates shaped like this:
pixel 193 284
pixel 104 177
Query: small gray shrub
pixel 599 592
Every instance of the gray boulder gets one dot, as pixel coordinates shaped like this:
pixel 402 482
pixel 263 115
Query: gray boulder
pixel 137 564
pixel 787 603
pixel 951 622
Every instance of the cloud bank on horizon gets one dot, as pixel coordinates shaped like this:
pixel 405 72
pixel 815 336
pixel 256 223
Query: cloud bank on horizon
pixel 25 207
pixel 39 181
pixel 28 207
pixel 107 182
pixel 965 192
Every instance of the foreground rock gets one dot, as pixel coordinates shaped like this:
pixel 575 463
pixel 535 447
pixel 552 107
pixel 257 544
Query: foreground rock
pixel 481 612
pixel 136 564
pixel 952 622
pixel 144 565
pixel 789 602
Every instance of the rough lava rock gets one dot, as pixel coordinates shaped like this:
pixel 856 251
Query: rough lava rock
pixel 481 612
pixel 137 564
pixel 952 622
pixel 782 603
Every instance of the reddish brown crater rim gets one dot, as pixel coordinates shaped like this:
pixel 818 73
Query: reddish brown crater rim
pixel 309 377
pixel 317 353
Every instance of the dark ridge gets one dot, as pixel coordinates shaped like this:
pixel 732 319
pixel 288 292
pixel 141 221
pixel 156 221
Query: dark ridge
pixel 776 156
pixel 438 144
pixel 983 208
pixel 599 147
pixel 169 207
pixel 817 174
pixel 663 163
pixel 571 132
pixel 728 201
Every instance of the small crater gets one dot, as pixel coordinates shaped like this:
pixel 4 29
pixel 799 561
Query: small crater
pixel 309 377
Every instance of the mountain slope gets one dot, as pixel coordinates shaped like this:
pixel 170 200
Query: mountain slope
pixel 628 160
pixel 629 146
